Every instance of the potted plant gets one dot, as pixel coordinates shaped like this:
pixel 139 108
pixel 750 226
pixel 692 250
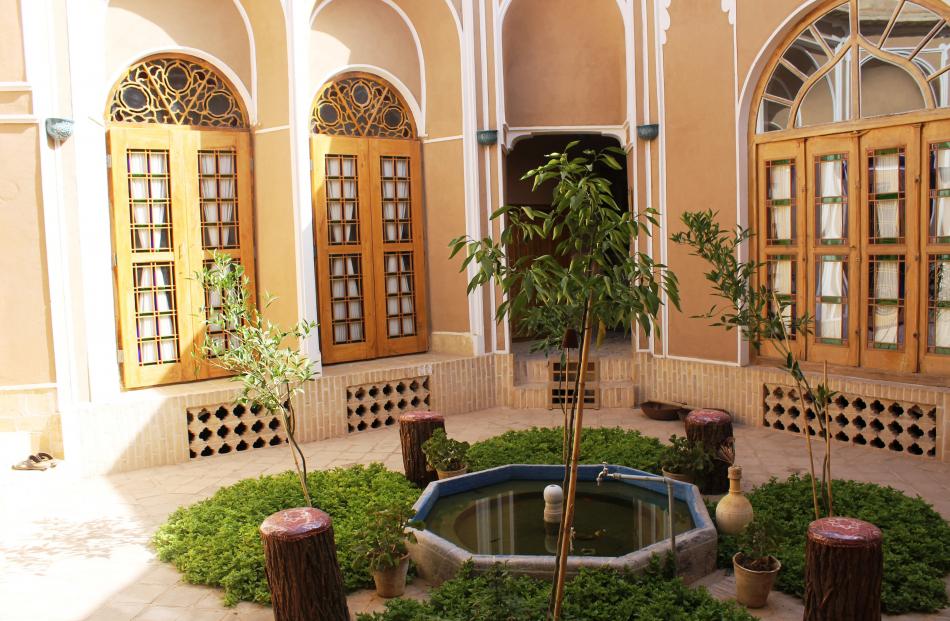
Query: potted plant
pixel 755 565
pixel 386 551
pixel 685 461
pixel 446 455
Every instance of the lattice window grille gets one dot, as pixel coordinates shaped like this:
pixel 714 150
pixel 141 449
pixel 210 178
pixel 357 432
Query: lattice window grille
pixel 358 104
pixel 175 91
pixel 563 378
pixel 376 405
pixel 899 426
pixel 223 428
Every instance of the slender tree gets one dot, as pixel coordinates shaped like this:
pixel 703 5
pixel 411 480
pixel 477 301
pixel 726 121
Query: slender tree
pixel 240 340
pixel 592 281
pixel 761 316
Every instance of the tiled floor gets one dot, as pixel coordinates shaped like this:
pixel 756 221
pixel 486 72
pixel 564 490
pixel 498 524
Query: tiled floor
pixel 77 548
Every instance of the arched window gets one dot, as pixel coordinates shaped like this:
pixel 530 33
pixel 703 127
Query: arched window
pixel 852 183
pixel 368 226
pixel 180 159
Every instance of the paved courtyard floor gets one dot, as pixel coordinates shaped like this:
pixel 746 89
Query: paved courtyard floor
pixel 77 548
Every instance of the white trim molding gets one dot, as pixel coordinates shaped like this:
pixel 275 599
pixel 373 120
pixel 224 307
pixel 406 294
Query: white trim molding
pixel 515 134
pixel 16 86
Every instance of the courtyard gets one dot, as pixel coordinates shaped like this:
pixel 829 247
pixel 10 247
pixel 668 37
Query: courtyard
pixel 77 548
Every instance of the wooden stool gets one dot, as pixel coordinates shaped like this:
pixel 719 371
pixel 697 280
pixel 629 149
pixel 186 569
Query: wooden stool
pixel 713 429
pixel 303 573
pixel 844 567
pixel 414 429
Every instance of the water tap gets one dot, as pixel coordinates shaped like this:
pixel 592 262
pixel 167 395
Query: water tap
pixel 603 474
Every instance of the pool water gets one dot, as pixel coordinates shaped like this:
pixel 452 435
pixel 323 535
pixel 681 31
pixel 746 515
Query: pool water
pixel 507 518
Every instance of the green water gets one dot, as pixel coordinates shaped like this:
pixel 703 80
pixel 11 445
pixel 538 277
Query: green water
pixel 507 518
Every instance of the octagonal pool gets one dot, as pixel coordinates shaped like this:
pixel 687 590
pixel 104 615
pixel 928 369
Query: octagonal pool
pixel 496 516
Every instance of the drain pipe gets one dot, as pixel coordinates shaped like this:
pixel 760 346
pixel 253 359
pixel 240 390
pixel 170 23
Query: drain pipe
pixel 616 476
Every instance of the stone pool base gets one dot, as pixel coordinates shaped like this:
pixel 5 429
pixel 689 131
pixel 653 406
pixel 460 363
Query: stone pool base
pixel 438 559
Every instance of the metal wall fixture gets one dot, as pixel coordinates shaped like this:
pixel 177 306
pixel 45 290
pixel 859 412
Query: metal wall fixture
pixel 59 129
pixel 648 132
pixel 487 137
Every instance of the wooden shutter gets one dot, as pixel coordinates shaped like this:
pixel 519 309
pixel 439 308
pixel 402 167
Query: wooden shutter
pixel 934 298
pixel 889 245
pixel 780 194
pixel 157 208
pixel 833 259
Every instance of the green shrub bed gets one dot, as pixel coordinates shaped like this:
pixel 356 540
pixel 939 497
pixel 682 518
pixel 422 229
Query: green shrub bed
pixel 216 541
pixel 916 538
pixel 543 446
pixel 594 595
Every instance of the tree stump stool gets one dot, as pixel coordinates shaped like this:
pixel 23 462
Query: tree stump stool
pixel 844 567
pixel 303 573
pixel 414 429
pixel 713 429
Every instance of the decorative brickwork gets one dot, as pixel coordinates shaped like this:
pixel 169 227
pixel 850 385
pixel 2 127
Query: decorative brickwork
pixel 225 427
pixel 866 421
pixel 371 406
pixel 561 381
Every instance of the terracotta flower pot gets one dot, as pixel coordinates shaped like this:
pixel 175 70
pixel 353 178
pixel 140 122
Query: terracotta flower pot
pixel 448 474
pixel 753 587
pixel 685 478
pixel 391 581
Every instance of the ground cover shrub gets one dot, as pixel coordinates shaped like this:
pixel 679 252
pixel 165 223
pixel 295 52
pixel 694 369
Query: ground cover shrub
pixel 216 541
pixel 594 595
pixel 543 446
pixel 916 538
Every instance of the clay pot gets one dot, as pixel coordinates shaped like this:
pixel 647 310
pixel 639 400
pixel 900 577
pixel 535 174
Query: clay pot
pixel 391 581
pixel 734 511
pixel 753 587
pixel 658 410
pixel 448 474
pixel 685 478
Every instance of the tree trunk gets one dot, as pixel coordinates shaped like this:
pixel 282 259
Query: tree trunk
pixel 301 565
pixel 414 429
pixel 844 567
pixel 713 429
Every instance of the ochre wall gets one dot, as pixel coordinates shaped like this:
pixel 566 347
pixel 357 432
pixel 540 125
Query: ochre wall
pixel 137 26
pixel 362 32
pixel 11 42
pixel 25 332
pixel 700 159
pixel 564 63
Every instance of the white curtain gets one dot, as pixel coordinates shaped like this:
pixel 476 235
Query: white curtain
pixel 207 164
pixel 392 306
pixel 942 217
pixel 886 287
pixel 210 217
pixel 394 327
pixel 225 163
pixel 388 169
pixel 339 311
pixel 830 314
pixel 886 214
pixel 403 188
pixel 349 167
pixel 333 167
pixel 356 310
pixel 389 189
pixel 832 185
pixel 138 162
pixel 339 333
pixel 334 189
pixel 402 168
pixel 356 331
pixel 942 318
pixel 782 277
pixel 780 188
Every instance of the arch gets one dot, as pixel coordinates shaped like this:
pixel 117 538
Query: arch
pixel 389 89
pixel 223 72
pixel 785 71
pixel 319 6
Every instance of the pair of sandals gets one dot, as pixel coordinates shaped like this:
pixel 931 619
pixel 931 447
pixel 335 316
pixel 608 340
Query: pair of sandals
pixel 40 461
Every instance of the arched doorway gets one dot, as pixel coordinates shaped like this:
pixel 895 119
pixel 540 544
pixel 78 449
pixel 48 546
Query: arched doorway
pixel 180 158
pixel 368 224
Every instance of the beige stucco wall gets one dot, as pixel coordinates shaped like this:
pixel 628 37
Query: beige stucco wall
pixel 564 63
pixel 138 27
pixel 362 32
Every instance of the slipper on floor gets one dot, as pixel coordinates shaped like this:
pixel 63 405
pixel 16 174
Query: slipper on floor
pixel 45 457
pixel 32 463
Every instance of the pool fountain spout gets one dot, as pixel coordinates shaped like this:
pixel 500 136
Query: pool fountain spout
pixel 553 508
pixel 605 473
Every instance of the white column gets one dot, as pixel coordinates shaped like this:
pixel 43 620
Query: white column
pixel 298 62
pixel 473 222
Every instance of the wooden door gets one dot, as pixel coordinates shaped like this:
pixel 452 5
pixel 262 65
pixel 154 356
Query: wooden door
pixel 369 247
pixel 833 226
pixel 934 312
pixel 889 237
